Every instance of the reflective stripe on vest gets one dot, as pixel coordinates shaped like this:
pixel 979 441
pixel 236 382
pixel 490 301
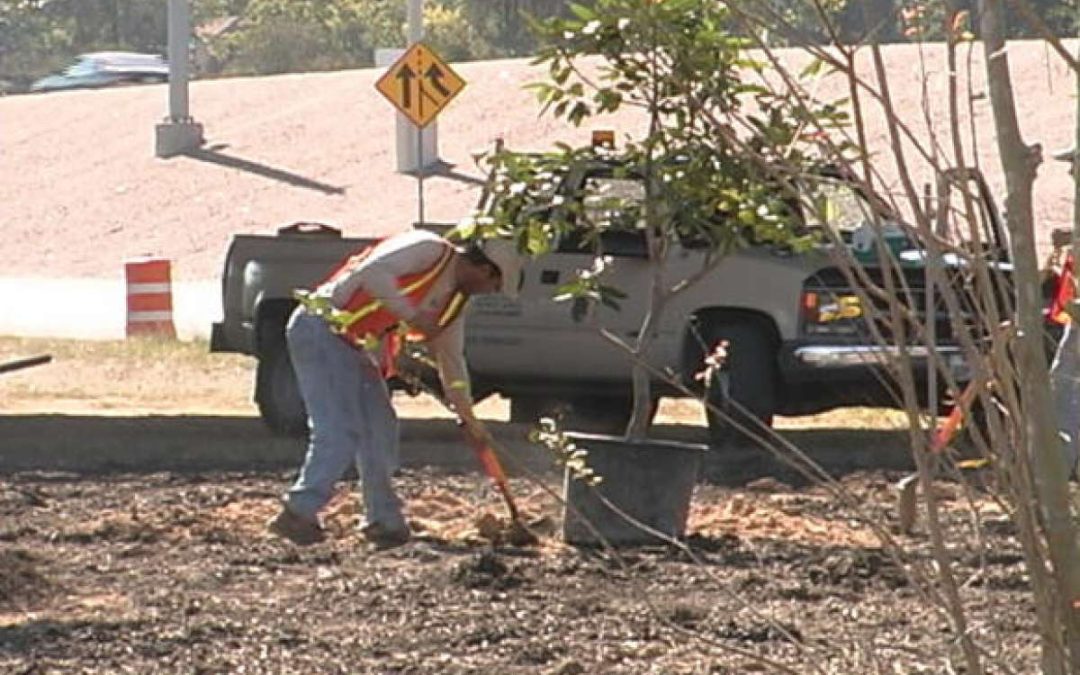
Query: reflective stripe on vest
pixel 411 286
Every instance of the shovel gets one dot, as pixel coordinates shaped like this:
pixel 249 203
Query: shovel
pixel 517 533
pixel 908 486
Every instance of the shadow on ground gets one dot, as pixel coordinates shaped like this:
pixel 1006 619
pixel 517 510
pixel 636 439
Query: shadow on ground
pixel 99 444
pixel 214 155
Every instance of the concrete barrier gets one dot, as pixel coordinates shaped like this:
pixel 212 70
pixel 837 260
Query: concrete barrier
pixel 95 309
pixel 149 298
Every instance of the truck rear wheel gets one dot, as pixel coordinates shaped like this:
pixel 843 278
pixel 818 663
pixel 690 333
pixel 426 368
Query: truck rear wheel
pixel 748 377
pixel 277 393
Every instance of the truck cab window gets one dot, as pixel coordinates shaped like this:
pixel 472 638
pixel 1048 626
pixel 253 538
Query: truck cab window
pixel 965 219
pixel 611 220
pixel 836 207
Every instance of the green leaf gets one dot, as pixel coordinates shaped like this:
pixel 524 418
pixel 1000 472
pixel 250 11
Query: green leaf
pixel 582 12
pixel 813 69
pixel 465 230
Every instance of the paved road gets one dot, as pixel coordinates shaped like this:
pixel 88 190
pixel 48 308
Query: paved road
pixel 96 309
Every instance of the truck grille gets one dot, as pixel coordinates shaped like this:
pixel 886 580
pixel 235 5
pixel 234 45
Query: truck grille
pixel 910 285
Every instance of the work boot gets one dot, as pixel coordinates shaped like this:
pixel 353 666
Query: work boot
pixel 297 529
pixel 384 537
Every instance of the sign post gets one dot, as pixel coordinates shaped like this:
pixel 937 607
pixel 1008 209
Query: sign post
pixel 420 85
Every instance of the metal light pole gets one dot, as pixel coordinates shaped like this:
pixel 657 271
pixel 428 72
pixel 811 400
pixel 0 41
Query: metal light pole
pixel 415 18
pixel 416 149
pixel 179 133
pixel 179 29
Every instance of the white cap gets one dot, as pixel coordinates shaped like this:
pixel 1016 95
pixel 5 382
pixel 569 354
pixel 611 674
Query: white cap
pixel 504 254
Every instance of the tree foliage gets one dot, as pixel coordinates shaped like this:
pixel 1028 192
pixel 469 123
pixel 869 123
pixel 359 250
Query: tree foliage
pixel 715 165
pixel 37 36
pixel 720 144
pixel 272 36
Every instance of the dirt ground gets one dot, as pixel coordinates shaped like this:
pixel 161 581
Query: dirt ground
pixel 152 571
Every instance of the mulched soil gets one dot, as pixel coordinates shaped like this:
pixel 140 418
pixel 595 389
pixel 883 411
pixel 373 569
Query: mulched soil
pixel 174 573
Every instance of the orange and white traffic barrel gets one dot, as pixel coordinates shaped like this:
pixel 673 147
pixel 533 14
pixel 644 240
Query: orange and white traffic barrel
pixel 149 297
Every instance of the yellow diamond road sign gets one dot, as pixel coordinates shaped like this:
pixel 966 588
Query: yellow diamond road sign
pixel 420 84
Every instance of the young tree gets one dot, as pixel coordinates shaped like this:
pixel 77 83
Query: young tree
pixel 709 165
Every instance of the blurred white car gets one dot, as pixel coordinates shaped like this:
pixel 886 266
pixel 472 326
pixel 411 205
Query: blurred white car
pixel 106 69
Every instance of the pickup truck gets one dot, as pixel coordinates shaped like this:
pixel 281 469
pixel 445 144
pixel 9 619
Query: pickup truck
pixel 798 340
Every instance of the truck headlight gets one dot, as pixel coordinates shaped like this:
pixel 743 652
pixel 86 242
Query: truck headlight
pixel 831 313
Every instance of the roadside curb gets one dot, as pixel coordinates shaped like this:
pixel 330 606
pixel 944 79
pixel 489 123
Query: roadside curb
pixel 95 444
pixel 98 444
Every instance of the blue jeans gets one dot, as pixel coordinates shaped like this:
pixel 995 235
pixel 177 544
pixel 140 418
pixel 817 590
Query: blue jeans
pixel 350 419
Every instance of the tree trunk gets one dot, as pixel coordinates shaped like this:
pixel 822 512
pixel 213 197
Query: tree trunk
pixel 638 425
pixel 1043 448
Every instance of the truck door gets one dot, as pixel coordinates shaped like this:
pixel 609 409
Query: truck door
pixel 532 337
pixel 567 332
pixel 540 337
pixel 615 208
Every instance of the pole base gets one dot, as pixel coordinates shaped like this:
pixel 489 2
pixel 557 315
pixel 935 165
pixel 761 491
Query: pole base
pixel 176 138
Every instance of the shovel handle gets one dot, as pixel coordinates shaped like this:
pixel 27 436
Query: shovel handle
pixel 493 468
pixel 24 363
pixel 489 461
pixel 945 433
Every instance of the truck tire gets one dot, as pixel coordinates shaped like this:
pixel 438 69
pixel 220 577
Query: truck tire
pixel 748 377
pixel 278 395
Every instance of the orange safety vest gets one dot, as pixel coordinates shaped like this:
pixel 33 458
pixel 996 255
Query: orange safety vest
pixel 366 323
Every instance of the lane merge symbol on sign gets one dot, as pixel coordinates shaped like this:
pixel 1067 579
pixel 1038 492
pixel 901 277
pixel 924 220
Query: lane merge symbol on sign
pixel 420 84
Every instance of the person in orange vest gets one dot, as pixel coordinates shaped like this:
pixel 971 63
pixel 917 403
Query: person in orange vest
pixel 1065 368
pixel 343 340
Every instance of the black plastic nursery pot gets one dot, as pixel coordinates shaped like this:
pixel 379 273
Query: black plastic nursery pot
pixel 647 481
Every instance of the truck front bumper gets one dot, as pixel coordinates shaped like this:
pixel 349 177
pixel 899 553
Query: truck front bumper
pixel 821 377
pixel 843 356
